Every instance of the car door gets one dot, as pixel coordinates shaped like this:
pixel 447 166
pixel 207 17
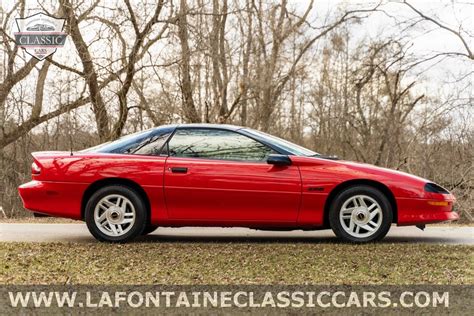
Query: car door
pixel 221 175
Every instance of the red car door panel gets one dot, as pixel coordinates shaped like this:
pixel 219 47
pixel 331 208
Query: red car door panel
pixel 220 190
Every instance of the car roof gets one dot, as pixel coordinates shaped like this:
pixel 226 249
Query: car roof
pixel 208 125
pixel 204 125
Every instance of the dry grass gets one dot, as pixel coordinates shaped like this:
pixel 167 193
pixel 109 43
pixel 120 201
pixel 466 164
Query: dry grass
pixel 235 263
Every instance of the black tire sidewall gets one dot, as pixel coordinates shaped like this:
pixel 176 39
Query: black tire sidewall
pixel 140 213
pixel 149 229
pixel 335 208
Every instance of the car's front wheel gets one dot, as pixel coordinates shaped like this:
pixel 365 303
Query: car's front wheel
pixel 360 214
pixel 115 213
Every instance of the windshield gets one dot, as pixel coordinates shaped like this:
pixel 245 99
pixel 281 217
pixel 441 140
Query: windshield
pixel 284 144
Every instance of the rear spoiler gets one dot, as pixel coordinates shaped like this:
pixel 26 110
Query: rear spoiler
pixel 39 154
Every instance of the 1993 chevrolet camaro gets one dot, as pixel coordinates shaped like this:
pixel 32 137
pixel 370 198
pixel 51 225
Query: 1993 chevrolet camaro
pixel 223 175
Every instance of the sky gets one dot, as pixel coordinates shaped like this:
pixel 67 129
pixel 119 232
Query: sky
pixel 450 13
pixel 438 77
pixel 426 38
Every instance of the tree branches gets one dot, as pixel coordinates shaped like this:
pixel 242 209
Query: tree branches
pixel 456 33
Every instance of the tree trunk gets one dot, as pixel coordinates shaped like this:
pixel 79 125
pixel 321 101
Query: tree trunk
pixel 190 113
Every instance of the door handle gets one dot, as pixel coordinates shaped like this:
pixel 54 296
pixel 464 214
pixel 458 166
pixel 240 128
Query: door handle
pixel 178 169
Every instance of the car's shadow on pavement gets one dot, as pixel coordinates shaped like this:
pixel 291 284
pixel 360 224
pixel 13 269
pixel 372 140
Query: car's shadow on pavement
pixel 234 239
pixel 281 240
pixel 160 239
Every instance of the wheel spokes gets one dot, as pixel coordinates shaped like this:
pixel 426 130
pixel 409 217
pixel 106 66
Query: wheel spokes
pixel 368 228
pixel 102 217
pixel 107 203
pixel 114 215
pixel 372 224
pixel 357 229
pixel 120 202
pixel 374 213
pixel 360 216
pixel 351 225
pixel 347 212
pixel 104 223
pixel 361 201
pixel 113 228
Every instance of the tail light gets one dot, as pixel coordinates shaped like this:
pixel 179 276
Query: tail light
pixel 35 169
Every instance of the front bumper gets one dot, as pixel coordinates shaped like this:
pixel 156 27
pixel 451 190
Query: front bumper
pixel 431 209
pixel 61 199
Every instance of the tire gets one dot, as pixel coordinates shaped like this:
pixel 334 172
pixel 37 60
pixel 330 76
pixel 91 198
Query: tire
pixel 360 214
pixel 116 214
pixel 149 229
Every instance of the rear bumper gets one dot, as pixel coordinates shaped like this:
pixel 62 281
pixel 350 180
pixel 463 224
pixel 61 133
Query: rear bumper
pixel 424 211
pixel 61 199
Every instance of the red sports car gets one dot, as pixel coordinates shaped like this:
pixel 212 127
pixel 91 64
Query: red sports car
pixel 223 175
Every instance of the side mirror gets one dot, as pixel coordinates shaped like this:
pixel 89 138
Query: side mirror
pixel 279 160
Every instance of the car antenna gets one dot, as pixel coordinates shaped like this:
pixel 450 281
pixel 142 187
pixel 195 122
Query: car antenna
pixel 70 142
pixel 70 132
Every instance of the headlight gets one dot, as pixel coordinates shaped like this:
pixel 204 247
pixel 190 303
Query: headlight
pixel 434 188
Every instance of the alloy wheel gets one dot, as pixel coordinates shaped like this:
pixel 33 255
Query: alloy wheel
pixel 361 216
pixel 114 215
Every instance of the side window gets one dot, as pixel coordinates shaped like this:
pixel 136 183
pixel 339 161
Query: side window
pixel 216 144
pixel 151 146
pixel 123 145
pixel 148 142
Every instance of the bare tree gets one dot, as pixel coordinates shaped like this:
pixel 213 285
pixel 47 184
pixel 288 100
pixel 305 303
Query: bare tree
pixel 189 108
pixel 269 65
pixel 459 33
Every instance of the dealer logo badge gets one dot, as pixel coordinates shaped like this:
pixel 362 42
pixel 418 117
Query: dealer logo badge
pixel 40 35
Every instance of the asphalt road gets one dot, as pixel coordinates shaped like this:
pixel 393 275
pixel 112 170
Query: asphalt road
pixel 30 232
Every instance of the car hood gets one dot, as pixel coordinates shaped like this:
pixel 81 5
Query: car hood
pixel 368 168
pixel 358 170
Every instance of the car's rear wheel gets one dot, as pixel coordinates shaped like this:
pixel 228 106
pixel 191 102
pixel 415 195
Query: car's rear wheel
pixel 360 214
pixel 115 213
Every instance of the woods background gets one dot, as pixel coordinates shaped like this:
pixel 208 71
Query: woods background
pixel 349 79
